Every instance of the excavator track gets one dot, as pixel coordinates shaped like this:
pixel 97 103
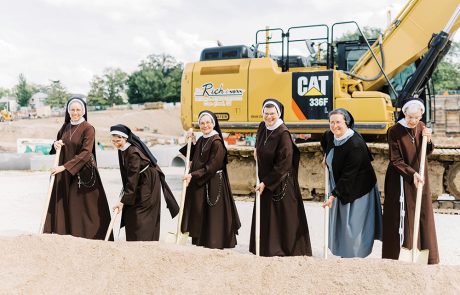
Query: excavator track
pixel 443 165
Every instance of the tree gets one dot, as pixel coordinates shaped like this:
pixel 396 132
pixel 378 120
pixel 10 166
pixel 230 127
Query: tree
pixel 108 89
pixel 5 92
pixel 173 84
pixel 96 93
pixel 115 85
pixel 23 91
pixel 158 79
pixel 447 75
pixel 57 94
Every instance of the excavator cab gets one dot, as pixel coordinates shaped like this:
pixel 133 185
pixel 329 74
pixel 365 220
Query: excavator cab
pixel 349 52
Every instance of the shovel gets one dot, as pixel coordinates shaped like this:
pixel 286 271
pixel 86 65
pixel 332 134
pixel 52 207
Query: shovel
pixel 326 212
pixel 50 191
pixel 415 255
pixel 112 221
pixel 257 234
pixel 179 237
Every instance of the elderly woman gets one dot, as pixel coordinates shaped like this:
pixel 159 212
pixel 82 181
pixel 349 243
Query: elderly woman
pixel 210 214
pixel 355 219
pixel 283 223
pixel 142 182
pixel 401 180
pixel 78 204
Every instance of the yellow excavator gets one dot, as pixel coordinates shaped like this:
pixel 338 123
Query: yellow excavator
pixel 5 116
pixel 370 81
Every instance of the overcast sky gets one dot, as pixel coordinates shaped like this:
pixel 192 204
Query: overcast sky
pixel 72 40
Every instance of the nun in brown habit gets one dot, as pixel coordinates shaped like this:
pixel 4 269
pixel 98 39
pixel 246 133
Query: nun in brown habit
pixel 143 181
pixel 401 179
pixel 284 228
pixel 210 214
pixel 78 205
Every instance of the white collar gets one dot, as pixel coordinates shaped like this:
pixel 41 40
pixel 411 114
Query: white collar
pixel 347 134
pixel 127 144
pixel 212 133
pixel 276 125
pixel 404 123
pixel 82 119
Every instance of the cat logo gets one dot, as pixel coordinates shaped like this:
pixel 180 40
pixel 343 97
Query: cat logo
pixel 315 86
pixel 312 94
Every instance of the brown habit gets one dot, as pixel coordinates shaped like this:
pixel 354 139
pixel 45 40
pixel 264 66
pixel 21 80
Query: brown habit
pixel 405 161
pixel 284 228
pixel 210 214
pixel 142 197
pixel 78 204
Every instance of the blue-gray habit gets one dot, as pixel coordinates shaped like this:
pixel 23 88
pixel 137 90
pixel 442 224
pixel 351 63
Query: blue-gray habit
pixel 353 226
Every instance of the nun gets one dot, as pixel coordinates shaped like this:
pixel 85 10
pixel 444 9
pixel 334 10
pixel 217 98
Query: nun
pixel 355 218
pixel 401 181
pixel 283 223
pixel 78 204
pixel 143 182
pixel 210 214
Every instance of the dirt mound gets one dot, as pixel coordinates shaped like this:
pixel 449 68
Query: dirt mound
pixel 51 264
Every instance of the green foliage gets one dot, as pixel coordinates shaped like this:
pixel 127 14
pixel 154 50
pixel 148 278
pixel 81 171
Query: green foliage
pixel 40 88
pixel 5 92
pixel 96 93
pixel 157 79
pixel 57 94
pixel 108 89
pixel 23 91
pixel 447 75
pixel 115 85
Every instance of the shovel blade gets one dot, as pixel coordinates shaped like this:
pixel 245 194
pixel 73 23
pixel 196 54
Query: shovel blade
pixel 173 238
pixel 421 257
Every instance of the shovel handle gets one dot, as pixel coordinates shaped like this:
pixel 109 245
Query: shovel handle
pixel 184 189
pixel 418 201
pixel 116 212
pixel 112 222
pixel 257 233
pixel 326 212
pixel 50 191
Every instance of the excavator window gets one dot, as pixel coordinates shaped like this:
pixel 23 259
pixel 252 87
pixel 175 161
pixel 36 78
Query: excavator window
pixel 401 79
pixel 349 52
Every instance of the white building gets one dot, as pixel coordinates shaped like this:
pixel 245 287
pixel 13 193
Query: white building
pixel 37 100
pixel 9 103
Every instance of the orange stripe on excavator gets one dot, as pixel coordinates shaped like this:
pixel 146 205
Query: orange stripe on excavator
pixel 297 110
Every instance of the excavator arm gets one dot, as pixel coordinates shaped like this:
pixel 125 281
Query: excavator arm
pixel 438 48
pixel 410 38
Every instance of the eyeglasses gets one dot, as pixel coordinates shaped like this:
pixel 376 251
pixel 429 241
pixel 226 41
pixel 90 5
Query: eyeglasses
pixel 270 114
pixel 117 141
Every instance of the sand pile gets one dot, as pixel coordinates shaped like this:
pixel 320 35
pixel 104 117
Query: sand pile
pixel 50 264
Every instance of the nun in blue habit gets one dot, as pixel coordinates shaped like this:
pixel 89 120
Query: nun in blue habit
pixel 355 219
